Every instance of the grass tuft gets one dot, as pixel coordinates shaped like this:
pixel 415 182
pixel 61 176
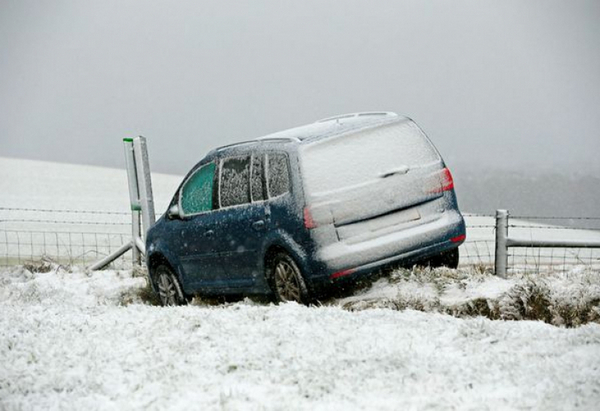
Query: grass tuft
pixel 43 265
pixel 564 300
pixel 147 295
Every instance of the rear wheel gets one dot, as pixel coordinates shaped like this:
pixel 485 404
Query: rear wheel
pixel 168 287
pixel 287 281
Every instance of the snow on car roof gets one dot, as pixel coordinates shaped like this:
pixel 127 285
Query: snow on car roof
pixel 327 127
pixel 335 125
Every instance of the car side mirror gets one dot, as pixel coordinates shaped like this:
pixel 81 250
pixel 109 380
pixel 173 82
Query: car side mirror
pixel 173 212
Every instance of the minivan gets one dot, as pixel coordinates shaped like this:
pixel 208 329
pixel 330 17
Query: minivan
pixel 297 212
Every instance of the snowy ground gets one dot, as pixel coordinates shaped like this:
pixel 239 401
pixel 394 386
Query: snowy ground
pixel 75 340
pixel 85 341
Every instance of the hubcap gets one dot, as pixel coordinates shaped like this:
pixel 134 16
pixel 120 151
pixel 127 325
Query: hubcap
pixel 286 282
pixel 166 289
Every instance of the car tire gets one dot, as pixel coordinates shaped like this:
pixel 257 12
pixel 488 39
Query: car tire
pixel 286 280
pixel 448 259
pixel 168 288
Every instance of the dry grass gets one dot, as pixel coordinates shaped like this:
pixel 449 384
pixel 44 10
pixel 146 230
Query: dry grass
pixel 145 294
pixel 43 265
pixel 570 300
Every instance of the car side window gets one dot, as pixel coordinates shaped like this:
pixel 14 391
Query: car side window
pixel 256 178
pixel 279 174
pixel 235 181
pixel 197 192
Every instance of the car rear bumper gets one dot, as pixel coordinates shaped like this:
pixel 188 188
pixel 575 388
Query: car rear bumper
pixel 414 238
pixel 406 258
pixel 406 246
pixel 410 257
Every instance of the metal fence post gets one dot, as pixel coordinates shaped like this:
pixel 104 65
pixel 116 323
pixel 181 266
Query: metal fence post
pixel 144 183
pixel 501 236
pixel 135 231
pixel 134 195
pixel 141 200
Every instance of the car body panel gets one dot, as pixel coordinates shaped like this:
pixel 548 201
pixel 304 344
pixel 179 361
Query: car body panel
pixel 237 239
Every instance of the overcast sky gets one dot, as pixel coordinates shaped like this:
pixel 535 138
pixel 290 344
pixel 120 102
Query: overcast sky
pixel 504 84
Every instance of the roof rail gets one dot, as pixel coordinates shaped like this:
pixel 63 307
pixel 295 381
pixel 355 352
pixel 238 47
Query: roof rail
pixel 243 143
pixel 278 138
pixel 364 114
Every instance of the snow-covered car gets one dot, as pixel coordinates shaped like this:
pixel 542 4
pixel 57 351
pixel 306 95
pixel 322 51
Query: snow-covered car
pixel 298 211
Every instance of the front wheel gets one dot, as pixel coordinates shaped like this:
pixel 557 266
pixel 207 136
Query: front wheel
pixel 288 284
pixel 169 290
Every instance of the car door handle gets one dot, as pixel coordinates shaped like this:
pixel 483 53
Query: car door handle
pixel 258 225
pixel 209 233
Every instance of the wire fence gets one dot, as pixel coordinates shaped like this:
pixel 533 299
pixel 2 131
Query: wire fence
pixel 558 259
pixel 79 238
pixel 63 236
pixel 479 248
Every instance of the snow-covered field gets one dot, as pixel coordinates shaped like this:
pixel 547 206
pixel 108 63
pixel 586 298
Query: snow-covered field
pixel 85 341
pixel 48 185
pixel 80 340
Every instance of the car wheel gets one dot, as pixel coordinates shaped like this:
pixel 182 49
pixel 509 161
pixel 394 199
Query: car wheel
pixel 288 284
pixel 448 259
pixel 168 287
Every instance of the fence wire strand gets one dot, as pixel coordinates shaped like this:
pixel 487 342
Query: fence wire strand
pixel 61 211
pixel 26 238
pixel 555 218
pixel 24 220
pixel 83 240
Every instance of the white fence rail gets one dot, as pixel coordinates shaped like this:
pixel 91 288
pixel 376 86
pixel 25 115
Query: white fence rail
pixel 544 250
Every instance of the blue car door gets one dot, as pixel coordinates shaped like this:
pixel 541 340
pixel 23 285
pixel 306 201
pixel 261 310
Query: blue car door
pixel 196 232
pixel 243 219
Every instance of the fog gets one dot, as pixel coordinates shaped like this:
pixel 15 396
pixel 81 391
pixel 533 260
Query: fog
pixel 504 85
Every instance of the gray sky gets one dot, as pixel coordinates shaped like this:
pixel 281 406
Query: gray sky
pixel 504 84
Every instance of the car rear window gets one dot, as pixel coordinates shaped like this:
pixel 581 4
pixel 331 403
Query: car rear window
pixel 355 159
pixel 279 174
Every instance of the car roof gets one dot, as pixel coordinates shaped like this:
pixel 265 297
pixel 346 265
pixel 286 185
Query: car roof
pixel 328 127
pixel 334 126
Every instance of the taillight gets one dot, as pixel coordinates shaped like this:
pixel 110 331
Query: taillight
pixel 308 220
pixel 445 180
pixel 459 238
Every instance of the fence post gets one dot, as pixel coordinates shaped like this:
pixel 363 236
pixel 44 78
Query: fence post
pixel 134 195
pixel 141 200
pixel 501 235
pixel 144 183
pixel 140 191
pixel 135 230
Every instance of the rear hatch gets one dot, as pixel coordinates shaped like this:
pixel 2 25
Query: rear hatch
pixel 371 180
